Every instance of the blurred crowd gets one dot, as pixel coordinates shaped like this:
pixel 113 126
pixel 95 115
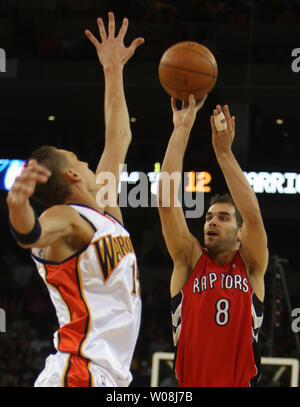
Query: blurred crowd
pixel 32 30
pixel 231 11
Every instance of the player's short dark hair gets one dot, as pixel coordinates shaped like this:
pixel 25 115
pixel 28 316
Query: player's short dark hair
pixel 56 190
pixel 226 198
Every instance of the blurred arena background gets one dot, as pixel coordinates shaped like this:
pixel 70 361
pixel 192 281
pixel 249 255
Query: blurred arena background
pixel 52 93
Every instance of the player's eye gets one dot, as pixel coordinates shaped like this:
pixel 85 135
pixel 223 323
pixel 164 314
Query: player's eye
pixel 223 218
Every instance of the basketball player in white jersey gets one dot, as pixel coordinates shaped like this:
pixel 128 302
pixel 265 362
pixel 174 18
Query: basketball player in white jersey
pixel 81 248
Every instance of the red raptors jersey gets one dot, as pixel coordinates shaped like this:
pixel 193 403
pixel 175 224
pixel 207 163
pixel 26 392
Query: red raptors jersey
pixel 216 318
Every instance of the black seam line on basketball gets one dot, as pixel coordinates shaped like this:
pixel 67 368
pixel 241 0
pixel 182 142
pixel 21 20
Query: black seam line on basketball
pixel 198 53
pixel 188 70
pixel 182 90
pixel 204 56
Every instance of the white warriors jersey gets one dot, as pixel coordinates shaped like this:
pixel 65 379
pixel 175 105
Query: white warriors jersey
pixel 96 296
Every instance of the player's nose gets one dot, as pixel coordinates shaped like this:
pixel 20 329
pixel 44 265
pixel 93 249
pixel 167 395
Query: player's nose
pixel 212 221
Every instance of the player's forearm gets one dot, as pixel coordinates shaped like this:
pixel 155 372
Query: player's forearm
pixel 171 169
pixel 115 106
pixel 173 160
pixel 240 189
pixel 22 217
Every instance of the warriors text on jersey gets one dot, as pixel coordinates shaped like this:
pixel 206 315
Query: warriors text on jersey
pixel 216 318
pixel 96 296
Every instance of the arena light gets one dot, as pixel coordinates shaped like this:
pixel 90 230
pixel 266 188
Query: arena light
pixel 279 121
pixel 51 118
pixel 9 170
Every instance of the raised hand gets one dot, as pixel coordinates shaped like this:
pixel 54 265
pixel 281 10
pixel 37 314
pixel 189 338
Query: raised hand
pixel 185 117
pixel 25 183
pixel 222 139
pixel 111 50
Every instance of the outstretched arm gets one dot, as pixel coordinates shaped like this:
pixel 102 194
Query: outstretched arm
pixel 54 224
pixel 254 239
pixel 113 55
pixel 183 247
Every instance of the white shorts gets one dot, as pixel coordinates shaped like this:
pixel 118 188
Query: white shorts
pixel 65 370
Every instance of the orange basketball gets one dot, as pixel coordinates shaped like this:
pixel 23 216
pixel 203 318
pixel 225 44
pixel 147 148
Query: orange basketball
pixel 188 68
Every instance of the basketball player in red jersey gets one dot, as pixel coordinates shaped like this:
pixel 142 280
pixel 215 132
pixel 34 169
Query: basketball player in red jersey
pixel 217 289
pixel 81 249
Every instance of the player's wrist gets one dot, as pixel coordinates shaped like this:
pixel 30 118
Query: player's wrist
pixel 182 130
pixel 27 238
pixel 224 155
pixel 113 68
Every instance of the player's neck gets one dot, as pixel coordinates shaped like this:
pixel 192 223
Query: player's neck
pixel 222 257
pixel 87 198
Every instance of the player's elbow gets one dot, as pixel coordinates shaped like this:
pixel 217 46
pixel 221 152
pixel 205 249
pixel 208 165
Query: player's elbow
pixel 121 134
pixel 26 246
pixel 254 218
pixel 163 200
pixel 167 195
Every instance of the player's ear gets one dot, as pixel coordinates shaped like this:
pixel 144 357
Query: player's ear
pixel 71 175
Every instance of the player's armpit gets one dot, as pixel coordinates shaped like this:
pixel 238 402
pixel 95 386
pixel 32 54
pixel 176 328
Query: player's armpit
pixel 58 222
pixel 179 240
pixel 182 269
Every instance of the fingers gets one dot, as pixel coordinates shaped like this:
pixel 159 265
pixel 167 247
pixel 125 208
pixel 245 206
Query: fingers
pixel 200 103
pixel 173 104
pixel 229 119
pixel 111 24
pixel 220 119
pixel 101 29
pixel 123 29
pixel 92 38
pixel 192 101
pixel 35 166
pixel 196 104
pixel 189 104
pixel 25 183
pixel 213 124
pixel 34 172
pixel 135 44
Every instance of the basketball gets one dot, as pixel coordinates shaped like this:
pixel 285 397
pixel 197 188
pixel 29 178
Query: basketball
pixel 188 68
